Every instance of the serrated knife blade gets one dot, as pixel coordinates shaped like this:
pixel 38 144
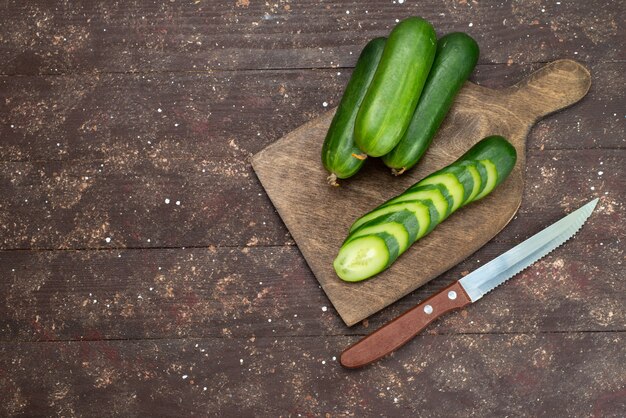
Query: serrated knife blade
pixel 500 269
pixel 467 290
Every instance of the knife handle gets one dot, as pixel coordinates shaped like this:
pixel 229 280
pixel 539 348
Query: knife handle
pixel 399 331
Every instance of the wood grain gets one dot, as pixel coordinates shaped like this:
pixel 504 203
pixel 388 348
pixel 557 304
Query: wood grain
pixel 54 37
pixel 559 374
pixel 316 214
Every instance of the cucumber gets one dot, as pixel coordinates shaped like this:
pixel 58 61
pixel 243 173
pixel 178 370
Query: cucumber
pixel 457 54
pixel 379 237
pixel 396 229
pixel 428 192
pixel 340 155
pixel 492 182
pixel 477 180
pixel 365 256
pixel 424 212
pixel 496 150
pixel 396 87
pixel 451 182
pixel 403 217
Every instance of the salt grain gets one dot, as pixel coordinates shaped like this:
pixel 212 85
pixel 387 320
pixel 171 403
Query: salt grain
pixel 107 239
pixel 178 203
pixel 325 104
pixel 159 110
pixel 471 24
pixel 185 376
pixel 167 201
pixel 324 308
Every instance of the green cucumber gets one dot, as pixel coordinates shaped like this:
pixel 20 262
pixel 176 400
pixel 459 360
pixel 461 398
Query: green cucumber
pixel 396 229
pixel 403 217
pixel 492 182
pixel 428 192
pixel 498 151
pixel 365 256
pixel 457 54
pixel 340 155
pixel 423 212
pixel 396 87
pixel 451 182
pixel 478 182
pixel 378 238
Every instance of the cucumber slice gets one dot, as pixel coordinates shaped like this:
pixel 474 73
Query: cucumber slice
pixel 470 166
pixel 492 179
pixel 422 211
pixel 498 151
pixel 444 192
pixel 425 193
pixel 364 257
pixel 395 229
pixel 484 176
pixel 451 183
pixel 404 218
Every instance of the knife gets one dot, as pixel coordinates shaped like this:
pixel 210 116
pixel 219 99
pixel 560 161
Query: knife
pixel 462 292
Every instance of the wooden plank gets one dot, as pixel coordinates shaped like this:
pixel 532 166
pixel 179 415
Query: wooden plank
pixel 95 36
pixel 238 292
pixel 224 117
pixel 578 374
pixel 52 205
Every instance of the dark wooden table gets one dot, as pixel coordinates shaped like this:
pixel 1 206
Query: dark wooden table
pixel 144 271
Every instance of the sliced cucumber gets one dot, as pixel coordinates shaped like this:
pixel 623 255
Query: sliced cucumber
pixel 379 237
pixel 477 180
pixel 451 183
pixel 442 189
pixel 363 257
pixel 492 178
pixel 403 217
pixel 428 192
pixel 422 212
pixel 395 229
pixel 498 151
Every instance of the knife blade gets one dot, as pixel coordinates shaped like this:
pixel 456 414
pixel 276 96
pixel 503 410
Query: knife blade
pixel 467 290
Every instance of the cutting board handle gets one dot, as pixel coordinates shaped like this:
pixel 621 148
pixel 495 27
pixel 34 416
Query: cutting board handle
pixel 558 85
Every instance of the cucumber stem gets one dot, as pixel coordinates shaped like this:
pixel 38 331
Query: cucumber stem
pixel 332 180
pixel 397 172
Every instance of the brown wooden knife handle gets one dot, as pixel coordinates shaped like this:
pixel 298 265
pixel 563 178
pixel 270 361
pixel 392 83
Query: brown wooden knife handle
pixel 398 332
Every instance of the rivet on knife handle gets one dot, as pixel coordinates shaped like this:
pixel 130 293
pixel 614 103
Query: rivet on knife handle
pixel 402 329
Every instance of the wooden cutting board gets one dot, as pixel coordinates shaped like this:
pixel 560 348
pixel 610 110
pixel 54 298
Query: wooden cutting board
pixel 318 216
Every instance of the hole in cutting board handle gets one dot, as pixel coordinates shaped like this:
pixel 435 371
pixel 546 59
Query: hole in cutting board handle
pixel 553 87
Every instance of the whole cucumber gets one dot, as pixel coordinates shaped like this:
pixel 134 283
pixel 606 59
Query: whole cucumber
pixel 340 155
pixel 457 54
pixel 396 87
